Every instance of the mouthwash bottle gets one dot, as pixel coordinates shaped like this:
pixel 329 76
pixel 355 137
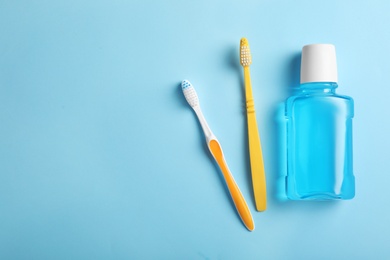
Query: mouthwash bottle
pixel 319 131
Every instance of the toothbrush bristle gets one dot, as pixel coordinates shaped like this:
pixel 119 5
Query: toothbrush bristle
pixel 189 93
pixel 245 54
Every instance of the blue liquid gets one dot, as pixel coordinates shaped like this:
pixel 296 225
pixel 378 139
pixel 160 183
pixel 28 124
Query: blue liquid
pixel 319 144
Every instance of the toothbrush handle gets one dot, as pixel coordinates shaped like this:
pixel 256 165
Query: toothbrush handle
pixel 255 153
pixel 257 165
pixel 238 199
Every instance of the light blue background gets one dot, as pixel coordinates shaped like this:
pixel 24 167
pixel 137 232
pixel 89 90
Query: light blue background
pixel 101 157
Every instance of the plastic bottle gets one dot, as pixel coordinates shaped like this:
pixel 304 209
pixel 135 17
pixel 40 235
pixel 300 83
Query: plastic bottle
pixel 319 131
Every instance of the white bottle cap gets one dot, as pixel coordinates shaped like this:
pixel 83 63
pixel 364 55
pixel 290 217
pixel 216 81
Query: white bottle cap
pixel 318 63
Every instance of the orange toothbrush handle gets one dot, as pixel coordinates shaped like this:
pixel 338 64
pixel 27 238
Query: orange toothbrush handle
pixel 238 199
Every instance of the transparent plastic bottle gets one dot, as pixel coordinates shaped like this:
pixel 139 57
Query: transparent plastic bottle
pixel 319 131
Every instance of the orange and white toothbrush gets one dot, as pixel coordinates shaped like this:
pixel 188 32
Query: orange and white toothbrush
pixel 255 153
pixel 216 150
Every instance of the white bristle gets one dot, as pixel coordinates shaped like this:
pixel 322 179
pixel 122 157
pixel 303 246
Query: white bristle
pixel 245 56
pixel 189 93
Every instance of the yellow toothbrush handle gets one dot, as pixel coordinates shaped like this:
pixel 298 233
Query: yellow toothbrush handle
pixel 238 199
pixel 256 155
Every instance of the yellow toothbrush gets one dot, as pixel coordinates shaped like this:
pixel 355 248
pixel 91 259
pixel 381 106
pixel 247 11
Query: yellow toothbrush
pixel 216 150
pixel 256 156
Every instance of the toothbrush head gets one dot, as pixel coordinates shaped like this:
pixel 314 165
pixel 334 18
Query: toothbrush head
pixel 189 93
pixel 245 54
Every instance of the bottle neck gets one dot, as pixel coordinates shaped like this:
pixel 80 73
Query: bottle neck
pixel 318 88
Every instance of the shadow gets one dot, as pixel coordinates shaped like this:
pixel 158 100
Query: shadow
pixel 206 150
pixel 280 153
pixel 293 70
pixel 180 96
pixel 184 103
pixel 233 61
pixel 278 119
pixel 277 181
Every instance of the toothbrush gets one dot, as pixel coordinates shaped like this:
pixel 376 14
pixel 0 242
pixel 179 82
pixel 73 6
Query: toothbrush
pixel 216 150
pixel 255 153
